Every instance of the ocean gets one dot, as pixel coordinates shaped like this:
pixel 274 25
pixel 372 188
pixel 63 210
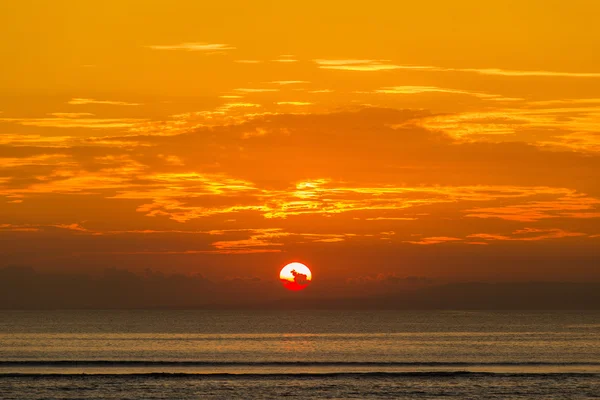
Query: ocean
pixel 172 354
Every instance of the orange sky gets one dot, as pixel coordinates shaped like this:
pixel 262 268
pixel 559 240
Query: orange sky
pixel 433 138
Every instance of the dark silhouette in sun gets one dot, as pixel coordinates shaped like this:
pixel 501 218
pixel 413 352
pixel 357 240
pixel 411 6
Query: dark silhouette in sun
pixel 300 281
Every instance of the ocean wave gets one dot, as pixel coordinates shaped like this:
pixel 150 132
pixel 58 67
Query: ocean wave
pixel 300 375
pixel 155 363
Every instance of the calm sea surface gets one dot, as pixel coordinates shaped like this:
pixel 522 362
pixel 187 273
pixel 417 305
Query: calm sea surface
pixel 303 354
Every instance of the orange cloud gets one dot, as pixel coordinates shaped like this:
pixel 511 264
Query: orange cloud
pixel 82 101
pixel 358 65
pixel 521 73
pixel 294 103
pixel 528 234
pixel 195 46
pixel 285 58
pixel 285 83
pixel 569 206
pixel 259 182
pixel 434 240
pixel 90 123
pixel 378 65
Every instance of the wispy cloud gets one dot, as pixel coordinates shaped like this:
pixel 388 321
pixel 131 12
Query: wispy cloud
pixel 321 91
pixel 289 82
pixel 73 227
pixel 293 103
pixel 570 205
pixel 238 105
pixel 434 240
pixel 256 90
pixel 195 46
pixel 357 65
pixel 18 228
pixel 94 123
pixel 379 65
pixel 528 234
pixel 70 115
pixel 261 240
pixel 509 72
pixel 39 160
pixel 578 141
pixel 83 101
pixel 212 177
pixel 391 219
pixel 285 58
pixel 571 127
pixel 18 140
pixel 432 89
pixel 564 102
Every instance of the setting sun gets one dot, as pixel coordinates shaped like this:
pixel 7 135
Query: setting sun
pixel 435 162
pixel 295 276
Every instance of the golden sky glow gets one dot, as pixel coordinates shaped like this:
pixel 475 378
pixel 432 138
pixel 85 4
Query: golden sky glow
pixel 429 138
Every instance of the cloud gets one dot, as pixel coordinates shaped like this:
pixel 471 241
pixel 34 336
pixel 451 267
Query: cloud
pixel 285 58
pixel 379 65
pixel 391 219
pixel 570 205
pixel 70 115
pixel 577 141
pixel 73 227
pixel 285 83
pixel 528 234
pixel 238 105
pixel 260 241
pixel 358 65
pixel 91 123
pixel 83 101
pixel 172 159
pixel 272 184
pixel 62 160
pixel 294 103
pixel 574 128
pixel 521 73
pixel 21 140
pixel 17 228
pixel 564 102
pixel 195 46
pixel 434 240
pixel 256 90
pixel 435 89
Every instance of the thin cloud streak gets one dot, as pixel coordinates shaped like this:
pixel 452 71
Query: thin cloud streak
pixel 284 83
pixel 195 46
pixel 285 58
pixel 256 90
pixel 435 89
pixel 78 101
pixel 357 65
pixel 380 65
pixel 91 123
pixel 528 235
pixel 294 103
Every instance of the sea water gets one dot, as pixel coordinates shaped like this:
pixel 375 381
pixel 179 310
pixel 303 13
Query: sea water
pixel 304 354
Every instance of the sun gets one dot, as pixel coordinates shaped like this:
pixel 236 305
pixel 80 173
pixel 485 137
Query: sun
pixel 295 276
